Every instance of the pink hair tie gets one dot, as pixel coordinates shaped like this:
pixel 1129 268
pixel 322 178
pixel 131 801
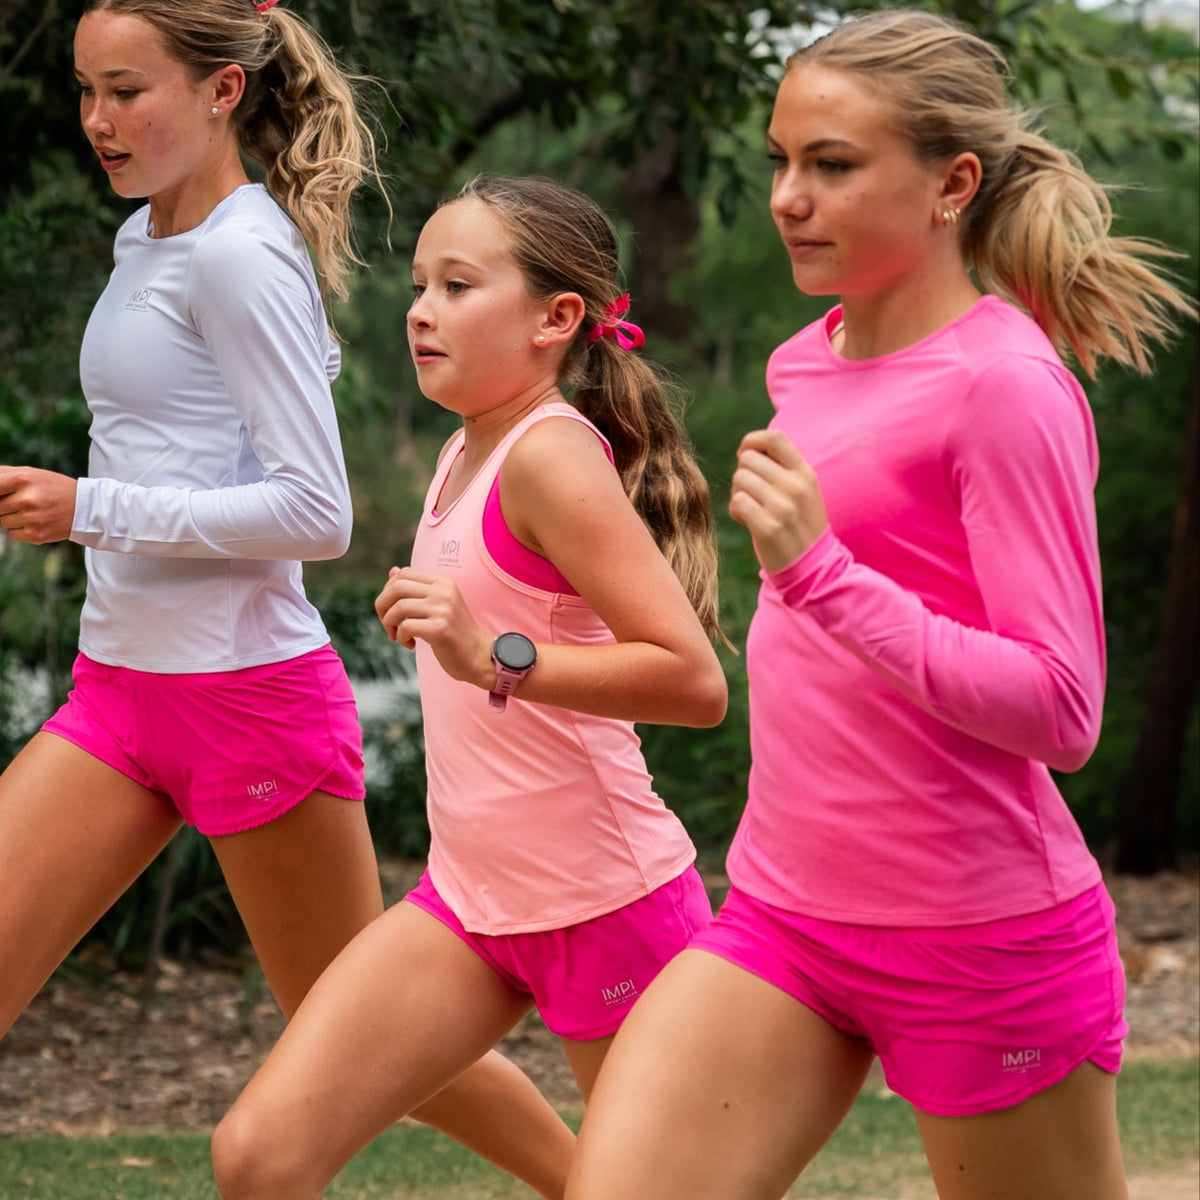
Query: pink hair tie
pixel 263 5
pixel 626 334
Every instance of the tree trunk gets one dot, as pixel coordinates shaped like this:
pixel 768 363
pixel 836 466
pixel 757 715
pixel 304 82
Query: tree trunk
pixel 1147 839
pixel 162 917
pixel 665 222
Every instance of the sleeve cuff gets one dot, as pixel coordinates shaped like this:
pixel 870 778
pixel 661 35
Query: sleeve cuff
pixel 796 583
pixel 82 519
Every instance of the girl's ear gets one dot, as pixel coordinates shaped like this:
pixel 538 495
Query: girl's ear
pixel 228 84
pixel 960 182
pixel 560 322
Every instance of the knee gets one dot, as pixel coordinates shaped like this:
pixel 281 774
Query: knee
pixel 252 1161
pixel 234 1160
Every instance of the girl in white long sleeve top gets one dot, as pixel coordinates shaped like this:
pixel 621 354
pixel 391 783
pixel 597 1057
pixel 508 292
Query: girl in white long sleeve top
pixel 205 690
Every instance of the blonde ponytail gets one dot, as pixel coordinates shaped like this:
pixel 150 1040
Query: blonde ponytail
pixel 300 119
pixel 1043 240
pixel 299 116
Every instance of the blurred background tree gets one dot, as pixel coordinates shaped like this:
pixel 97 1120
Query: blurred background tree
pixel 657 109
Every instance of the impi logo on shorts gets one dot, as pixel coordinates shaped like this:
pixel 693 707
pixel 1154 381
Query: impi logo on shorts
pixel 262 791
pixel 622 993
pixel 1021 1060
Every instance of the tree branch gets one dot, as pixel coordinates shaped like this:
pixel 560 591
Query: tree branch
pixel 49 12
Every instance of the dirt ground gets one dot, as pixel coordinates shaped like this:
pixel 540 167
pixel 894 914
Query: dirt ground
pixel 89 1059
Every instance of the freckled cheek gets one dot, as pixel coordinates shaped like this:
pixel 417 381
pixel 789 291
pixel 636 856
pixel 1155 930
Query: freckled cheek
pixel 155 139
pixel 162 140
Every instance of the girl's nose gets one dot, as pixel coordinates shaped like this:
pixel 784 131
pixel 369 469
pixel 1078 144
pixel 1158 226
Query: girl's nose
pixel 789 196
pixel 418 314
pixel 94 116
pixel 90 115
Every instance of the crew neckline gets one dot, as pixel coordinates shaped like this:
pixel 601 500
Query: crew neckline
pixel 146 228
pixel 833 320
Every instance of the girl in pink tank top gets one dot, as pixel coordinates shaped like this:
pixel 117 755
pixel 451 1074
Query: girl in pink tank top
pixel 549 613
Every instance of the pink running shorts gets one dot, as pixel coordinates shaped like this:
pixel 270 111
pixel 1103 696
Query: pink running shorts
pixel 965 1020
pixel 230 749
pixel 584 978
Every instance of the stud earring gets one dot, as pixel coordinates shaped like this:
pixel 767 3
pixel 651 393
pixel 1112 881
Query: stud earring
pixel 215 110
pixel 950 216
pixel 541 337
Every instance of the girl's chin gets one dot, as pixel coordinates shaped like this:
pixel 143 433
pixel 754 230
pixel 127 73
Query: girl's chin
pixel 128 188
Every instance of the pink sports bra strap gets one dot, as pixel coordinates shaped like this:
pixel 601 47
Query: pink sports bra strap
pixel 515 558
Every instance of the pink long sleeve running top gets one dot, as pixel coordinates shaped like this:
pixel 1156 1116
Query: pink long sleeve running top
pixel 918 670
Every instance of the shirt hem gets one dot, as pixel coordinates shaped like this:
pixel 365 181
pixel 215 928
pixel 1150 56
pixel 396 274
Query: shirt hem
pixel 207 666
pixel 933 918
pixel 565 921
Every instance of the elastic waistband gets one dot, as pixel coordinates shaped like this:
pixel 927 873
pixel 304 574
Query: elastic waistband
pixel 205 679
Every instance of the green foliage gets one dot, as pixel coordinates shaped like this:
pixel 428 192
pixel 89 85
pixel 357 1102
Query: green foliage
pixel 201 914
pixel 396 779
pixel 701 773
pixel 40 596
pixel 44 301
pixel 1139 421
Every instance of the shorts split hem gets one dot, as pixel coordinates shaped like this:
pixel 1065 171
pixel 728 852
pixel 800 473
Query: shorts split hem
pixel 933 1108
pixel 1000 1103
pixel 1109 1063
pixel 270 815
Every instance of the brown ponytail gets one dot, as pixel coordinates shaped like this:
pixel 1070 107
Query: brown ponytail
pixel 628 402
pixel 564 243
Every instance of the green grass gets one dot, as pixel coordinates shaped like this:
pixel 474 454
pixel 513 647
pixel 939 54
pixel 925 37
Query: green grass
pixel 876 1152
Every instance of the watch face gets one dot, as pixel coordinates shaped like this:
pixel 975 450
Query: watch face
pixel 515 651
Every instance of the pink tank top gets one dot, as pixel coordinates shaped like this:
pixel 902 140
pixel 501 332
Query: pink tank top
pixel 539 817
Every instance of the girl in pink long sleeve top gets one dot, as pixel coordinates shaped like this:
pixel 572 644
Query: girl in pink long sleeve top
pixel 907 882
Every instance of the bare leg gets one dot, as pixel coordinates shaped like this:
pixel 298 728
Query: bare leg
pixel 1061 1143
pixel 305 885
pixel 718 1086
pixel 586 1059
pixel 404 1009
pixel 495 1110
pixel 74 834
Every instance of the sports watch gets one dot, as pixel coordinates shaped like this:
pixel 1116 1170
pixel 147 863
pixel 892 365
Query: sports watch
pixel 514 655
